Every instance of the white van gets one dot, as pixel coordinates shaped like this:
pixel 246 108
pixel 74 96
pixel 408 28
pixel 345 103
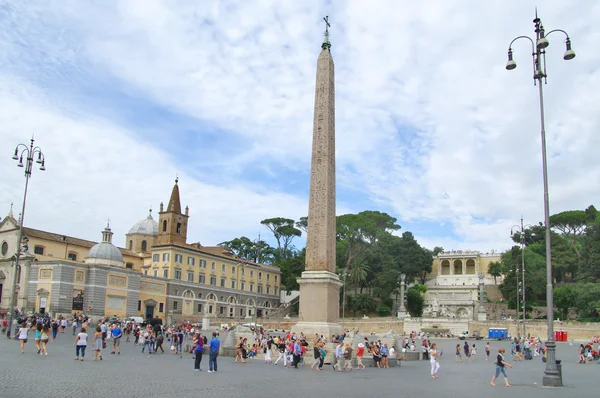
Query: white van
pixel 136 319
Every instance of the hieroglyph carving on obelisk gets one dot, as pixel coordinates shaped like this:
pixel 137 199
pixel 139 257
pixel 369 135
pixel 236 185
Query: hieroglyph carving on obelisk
pixel 320 244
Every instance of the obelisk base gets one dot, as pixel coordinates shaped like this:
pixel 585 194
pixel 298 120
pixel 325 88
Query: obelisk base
pixel 319 304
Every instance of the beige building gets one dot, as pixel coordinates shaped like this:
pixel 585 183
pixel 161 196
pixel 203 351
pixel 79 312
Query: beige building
pixel 453 284
pixel 158 275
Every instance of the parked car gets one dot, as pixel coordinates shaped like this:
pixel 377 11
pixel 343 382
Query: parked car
pixel 463 335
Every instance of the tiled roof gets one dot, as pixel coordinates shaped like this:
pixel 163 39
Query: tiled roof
pixel 36 233
pixel 218 251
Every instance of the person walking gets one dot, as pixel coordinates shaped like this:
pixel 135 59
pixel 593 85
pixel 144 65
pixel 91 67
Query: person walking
pixel 268 349
pixel 340 363
pixel 501 365
pixel 38 337
pixel 97 343
pixel 348 355
pixel 467 351
pixel 74 325
pixel 316 355
pixel 198 347
pixel 44 337
pixel 214 344
pixel 55 327
pixel 488 349
pixel 297 353
pixel 80 344
pixel 281 346
pixel 148 342
pixel 473 352
pixel 23 330
pixel 360 352
pixel 458 354
pixel 117 333
pixel 434 357
pixel 159 342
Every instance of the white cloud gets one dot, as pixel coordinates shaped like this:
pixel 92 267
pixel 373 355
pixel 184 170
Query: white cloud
pixel 429 124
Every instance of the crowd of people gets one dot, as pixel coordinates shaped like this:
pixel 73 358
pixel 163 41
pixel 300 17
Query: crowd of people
pixel 291 349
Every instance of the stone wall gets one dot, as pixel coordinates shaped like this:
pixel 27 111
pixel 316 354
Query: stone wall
pixel 539 328
pixel 577 331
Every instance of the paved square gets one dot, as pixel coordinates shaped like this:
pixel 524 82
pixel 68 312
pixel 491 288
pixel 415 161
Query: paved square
pixel 133 374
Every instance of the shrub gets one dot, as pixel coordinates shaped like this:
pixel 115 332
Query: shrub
pixel 383 310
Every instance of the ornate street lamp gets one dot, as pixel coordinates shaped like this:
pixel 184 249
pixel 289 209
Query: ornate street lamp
pixel 29 152
pixel 538 51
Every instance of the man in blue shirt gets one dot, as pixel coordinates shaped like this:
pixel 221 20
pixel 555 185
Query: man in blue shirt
pixel 213 345
pixel 116 335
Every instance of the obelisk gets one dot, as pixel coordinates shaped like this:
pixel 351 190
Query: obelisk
pixel 319 285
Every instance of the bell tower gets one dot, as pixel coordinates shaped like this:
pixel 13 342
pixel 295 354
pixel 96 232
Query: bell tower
pixel 172 223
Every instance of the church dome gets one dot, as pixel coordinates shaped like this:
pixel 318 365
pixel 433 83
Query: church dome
pixel 147 226
pixel 105 253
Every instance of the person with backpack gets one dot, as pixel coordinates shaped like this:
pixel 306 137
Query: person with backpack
pixel 159 343
pixel 348 355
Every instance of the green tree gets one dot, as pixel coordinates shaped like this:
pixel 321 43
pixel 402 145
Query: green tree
pixel 587 299
pixel 437 250
pixel 572 224
pixel 415 301
pixel 564 300
pixel 284 231
pixel 291 269
pixel 589 268
pixel 363 303
pixel 383 310
pixel 495 269
pixel 302 224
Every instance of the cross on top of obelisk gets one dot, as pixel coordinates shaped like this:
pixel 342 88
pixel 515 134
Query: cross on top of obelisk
pixel 326 43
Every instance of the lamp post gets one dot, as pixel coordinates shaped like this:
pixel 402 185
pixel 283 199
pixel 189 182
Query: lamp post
pixel 29 152
pixel 256 295
pixel 538 51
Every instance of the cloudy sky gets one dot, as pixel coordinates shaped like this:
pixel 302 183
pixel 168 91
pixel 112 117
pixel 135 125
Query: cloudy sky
pixel 124 95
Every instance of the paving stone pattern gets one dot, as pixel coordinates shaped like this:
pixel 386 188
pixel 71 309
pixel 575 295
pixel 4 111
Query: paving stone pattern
pixel 134 374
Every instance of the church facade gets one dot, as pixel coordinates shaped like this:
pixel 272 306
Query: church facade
pixel 158 275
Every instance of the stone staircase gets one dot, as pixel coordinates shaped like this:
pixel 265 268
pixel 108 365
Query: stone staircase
pixel 282 310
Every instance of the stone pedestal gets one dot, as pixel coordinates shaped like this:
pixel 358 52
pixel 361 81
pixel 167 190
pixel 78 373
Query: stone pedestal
pixel 206 324
pixel 403 314
pixel 319 304
pixel 481 316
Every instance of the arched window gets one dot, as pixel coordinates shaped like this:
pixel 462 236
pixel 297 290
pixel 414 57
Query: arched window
pixel 130 245
pixel 165 226
pixel 144 245
pixel 188 294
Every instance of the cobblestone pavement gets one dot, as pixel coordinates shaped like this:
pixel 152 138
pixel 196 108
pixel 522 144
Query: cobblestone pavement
pixel 134 374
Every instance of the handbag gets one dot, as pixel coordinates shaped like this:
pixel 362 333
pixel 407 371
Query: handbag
pixel 104 344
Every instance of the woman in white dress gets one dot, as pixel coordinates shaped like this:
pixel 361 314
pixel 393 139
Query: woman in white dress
pixel 268 353
pixel 434 360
